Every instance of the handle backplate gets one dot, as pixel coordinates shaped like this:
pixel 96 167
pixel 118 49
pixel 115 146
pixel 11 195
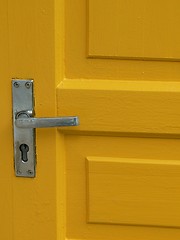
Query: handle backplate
pixel 23 100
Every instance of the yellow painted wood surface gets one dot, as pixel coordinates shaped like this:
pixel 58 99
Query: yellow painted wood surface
pixel 80 65
pixel 28 206
pixel 133 191
pixel 79 148
pixel 134 29
pixel 48 41
pixel 119 82
pixel 117 107
pixel 6 157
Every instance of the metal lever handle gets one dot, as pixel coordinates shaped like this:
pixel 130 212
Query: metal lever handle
pixel 30 122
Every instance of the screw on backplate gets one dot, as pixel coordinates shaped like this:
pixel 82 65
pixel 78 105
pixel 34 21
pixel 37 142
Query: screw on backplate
pixel 16 84
pixel 30 172
pixel 28 84
pixel 18 172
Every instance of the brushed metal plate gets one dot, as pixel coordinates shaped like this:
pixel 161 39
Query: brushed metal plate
pixel 23 101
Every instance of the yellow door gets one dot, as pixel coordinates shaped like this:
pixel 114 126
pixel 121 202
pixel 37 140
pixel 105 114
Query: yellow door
pixel 115 64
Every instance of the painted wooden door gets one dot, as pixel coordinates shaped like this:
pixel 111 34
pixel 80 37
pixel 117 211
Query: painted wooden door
pixel 115 64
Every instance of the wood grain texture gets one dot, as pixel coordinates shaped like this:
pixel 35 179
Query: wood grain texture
pixel 31 55
pixel 79 63
pixel 138 29
pixel 115 107
pixel 133 191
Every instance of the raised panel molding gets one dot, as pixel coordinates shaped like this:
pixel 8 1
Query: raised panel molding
pixel 136 108
pixel 144 30
pixel 133 191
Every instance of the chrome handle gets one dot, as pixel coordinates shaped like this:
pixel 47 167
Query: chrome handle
pixel 31 122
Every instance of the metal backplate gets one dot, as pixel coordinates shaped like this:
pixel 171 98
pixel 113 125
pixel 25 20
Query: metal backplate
pixel 23 101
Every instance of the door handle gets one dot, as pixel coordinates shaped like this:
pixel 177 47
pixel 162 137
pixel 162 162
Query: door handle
pixel 24 125
pixel 31 122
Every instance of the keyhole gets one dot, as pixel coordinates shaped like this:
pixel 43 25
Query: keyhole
pixel 24 148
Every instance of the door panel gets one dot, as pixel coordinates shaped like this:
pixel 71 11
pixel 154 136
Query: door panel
pixel 133 191
pixel 122 80
pixel 138 30
pixel 91 201
pixel 82 30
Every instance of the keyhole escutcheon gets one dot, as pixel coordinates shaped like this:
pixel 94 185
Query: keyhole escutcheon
pixel 24 148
